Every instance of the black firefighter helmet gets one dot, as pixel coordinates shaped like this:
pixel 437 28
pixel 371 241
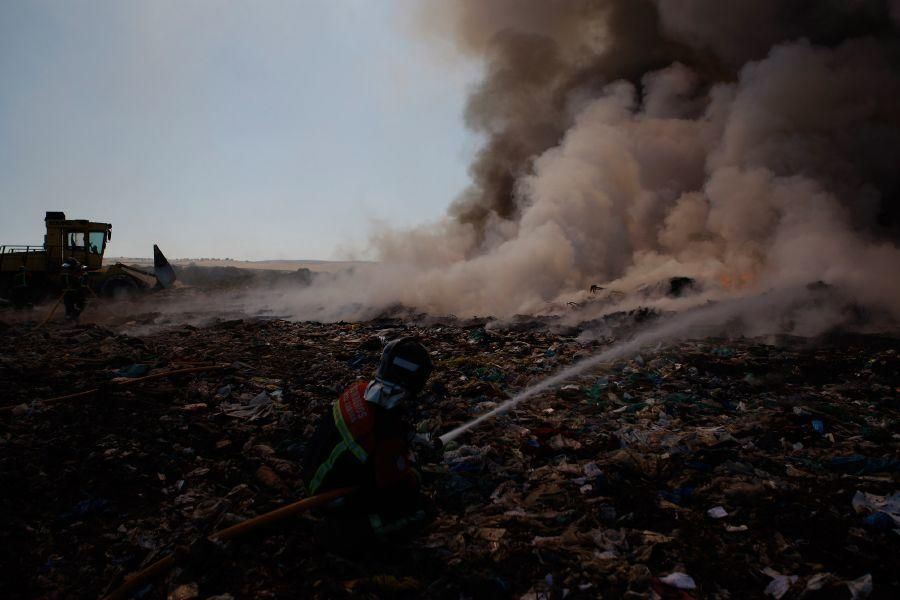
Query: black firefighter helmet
pixel 405 367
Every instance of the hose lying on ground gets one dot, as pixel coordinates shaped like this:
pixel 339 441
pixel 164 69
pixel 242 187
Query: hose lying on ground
pixel 161 566
pixel 125 382
pixel 50 314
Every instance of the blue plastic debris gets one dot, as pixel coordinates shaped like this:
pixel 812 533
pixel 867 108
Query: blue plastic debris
pixel 84 508
pixel 678 496
pixel 53 561
pixel 132 371
pixel 879 521
pixel 858 464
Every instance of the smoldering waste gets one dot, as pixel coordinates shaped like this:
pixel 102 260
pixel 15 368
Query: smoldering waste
pixel 721 468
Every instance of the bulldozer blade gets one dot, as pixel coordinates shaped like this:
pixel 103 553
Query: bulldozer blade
pixel 164 272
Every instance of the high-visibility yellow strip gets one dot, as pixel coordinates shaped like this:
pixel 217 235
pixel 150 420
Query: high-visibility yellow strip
pixel 357 450
pixel 326 466
pixel 375 522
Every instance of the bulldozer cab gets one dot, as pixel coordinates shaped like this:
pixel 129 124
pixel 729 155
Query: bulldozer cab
pixel 75 238
pixel 38 267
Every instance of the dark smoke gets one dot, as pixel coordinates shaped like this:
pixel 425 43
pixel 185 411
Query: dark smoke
pixel 546 58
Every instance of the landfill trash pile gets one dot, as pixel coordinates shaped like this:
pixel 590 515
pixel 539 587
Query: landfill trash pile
pixel 740 468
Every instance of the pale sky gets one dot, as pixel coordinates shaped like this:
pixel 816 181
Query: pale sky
pixel 254 130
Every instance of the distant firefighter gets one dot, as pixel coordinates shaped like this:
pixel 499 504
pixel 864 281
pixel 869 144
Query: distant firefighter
pixel 21 291
pixel 73 279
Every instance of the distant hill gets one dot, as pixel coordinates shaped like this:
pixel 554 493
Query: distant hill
pixel 316 266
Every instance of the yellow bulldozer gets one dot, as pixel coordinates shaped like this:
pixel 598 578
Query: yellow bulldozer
pixel 39 268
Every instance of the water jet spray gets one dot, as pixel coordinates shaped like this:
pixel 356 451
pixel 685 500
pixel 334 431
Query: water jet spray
pixel 676 328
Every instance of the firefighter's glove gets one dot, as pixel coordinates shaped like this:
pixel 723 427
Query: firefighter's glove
pixel 428 449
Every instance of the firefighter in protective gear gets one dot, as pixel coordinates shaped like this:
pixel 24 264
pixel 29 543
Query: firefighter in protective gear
pixel 20 289
pixel 73 279
pixel 364 441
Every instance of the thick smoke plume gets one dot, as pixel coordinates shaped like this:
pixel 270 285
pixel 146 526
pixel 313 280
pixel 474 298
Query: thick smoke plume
pixel 750 145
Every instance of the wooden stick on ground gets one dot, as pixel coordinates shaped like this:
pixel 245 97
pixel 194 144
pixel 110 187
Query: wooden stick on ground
pixel 126 382
pixel 175 372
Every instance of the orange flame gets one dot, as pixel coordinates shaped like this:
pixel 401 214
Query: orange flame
pixel 738 281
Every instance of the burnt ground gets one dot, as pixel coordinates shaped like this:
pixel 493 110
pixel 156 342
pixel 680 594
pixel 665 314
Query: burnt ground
pixel 605 487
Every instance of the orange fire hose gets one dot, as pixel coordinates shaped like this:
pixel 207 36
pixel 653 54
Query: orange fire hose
pixel 161 566
pixel 50 314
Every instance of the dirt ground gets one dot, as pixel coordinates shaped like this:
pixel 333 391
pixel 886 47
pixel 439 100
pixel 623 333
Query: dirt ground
pixel 711 469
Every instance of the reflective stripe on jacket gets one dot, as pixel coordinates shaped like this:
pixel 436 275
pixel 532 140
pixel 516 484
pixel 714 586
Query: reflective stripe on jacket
pixel 355 423
pixel 375 441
